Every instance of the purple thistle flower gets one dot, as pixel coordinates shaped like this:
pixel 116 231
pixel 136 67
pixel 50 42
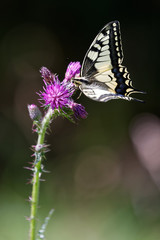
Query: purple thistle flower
pixel 55 94
pixel 58 94
pixel 47 76
pixel 73 70
pixel 34 112
pixel 79 110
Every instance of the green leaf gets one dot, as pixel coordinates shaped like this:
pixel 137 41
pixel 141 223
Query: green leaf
pixel 67 113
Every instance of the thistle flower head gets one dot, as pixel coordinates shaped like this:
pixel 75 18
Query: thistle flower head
pixel 58 94
pixel 34 112
pixel 78 110
pixel 55 93
pixel 73 70
pixel 47 76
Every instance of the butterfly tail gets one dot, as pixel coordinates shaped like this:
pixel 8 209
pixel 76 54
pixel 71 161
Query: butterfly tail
pixel 136 99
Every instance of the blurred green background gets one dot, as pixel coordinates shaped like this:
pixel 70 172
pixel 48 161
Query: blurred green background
pixel 104 178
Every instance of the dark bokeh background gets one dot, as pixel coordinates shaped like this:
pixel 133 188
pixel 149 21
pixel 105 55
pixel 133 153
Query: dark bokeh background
pixel 104 175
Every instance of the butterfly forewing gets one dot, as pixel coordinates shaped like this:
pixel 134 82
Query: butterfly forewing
pixel 105 51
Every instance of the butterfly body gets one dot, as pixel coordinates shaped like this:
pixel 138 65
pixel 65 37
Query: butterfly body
pixel 102 76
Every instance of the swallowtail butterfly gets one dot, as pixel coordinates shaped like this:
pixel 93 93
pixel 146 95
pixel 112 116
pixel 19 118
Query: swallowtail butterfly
pixel 102 76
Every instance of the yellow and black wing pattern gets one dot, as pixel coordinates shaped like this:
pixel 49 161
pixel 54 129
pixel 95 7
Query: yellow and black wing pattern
pixel 102 76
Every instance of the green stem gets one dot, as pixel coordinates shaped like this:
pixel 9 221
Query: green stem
pixel 39 154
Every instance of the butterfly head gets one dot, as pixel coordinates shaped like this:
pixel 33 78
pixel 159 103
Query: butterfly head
pixel 78 81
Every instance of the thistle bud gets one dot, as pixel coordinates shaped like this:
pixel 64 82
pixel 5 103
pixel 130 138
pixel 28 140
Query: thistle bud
pixel 34 112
